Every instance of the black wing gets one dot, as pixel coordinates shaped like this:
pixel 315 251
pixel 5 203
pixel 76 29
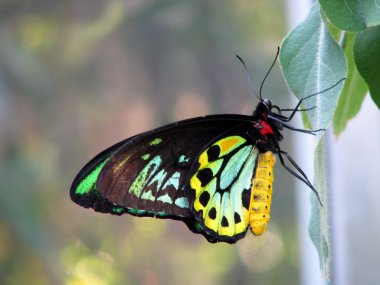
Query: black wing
pixel 147 175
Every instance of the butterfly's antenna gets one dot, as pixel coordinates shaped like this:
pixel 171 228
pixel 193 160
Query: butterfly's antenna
pixel 249 79
pixel 270 69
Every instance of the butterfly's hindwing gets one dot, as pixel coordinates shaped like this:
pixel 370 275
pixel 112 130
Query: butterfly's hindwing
pixel 221 187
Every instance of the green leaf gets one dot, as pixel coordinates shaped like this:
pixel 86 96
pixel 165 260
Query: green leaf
pixel 352 15
pixel 312 62
pixel 367 59
pixel 318 226
pixel 334 31
pixel 354 89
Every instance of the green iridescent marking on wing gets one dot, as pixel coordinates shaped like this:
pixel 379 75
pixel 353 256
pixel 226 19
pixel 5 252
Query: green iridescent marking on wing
pixel 156 141
pixel 227 224
pixel 148 196
pixel 247 171
pixel 198 227
pixel 210 188
pixel 165 199
pixel 244 182
pixel 145 156
pixel 182 202
pixel 213 204
pixel 148 186
pixel 118 210
pixel 141 180
pixel 138 212
pixel 233 166
pixel 215 166
pixel 87 184
pixel 233 204
pixel 173 180
pixel 159 178
pixel 183 159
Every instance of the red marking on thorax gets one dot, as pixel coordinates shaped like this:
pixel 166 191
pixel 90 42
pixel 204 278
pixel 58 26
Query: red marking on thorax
pixel 265 128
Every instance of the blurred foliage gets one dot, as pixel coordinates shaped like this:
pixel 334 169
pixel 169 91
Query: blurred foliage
pixel 77 76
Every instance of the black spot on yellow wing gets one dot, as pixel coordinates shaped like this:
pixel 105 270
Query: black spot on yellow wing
pixel 212 213
pixel 204 198
pixel 224 222
pixel 205 175
pixel 237 218
pixel 213 153
pixel 246 198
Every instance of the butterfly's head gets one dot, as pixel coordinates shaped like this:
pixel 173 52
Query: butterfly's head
pixel 263 108
pixel 266 102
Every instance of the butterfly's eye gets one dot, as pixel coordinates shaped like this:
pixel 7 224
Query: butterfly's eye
pixel 267 103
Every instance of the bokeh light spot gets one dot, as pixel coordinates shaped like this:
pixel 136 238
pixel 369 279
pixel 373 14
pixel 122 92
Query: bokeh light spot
pixel 261 253
pixel 190 104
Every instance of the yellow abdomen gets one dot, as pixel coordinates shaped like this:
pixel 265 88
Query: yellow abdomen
pixel 261 194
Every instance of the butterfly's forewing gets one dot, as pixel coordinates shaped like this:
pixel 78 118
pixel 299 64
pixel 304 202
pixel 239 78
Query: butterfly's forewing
pixel 221 186
pixel 83 190
pixel 152 174
pixel 148 175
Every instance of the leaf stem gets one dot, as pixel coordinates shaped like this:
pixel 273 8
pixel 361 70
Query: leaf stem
pixel 342 38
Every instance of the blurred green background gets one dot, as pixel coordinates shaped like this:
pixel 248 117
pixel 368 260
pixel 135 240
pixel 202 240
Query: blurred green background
pixel 78 76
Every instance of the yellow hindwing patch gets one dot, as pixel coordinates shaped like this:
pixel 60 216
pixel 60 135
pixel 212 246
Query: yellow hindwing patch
pixel 224 173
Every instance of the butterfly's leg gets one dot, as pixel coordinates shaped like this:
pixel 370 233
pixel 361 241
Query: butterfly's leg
pixel 309 96
pixel 301 177
pixel 312 132
pixel 297 110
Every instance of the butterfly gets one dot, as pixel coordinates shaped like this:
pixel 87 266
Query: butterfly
pixel 214 173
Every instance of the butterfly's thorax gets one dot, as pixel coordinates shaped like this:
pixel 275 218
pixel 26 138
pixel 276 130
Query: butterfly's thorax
pixel 261 193
pixel 266 133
